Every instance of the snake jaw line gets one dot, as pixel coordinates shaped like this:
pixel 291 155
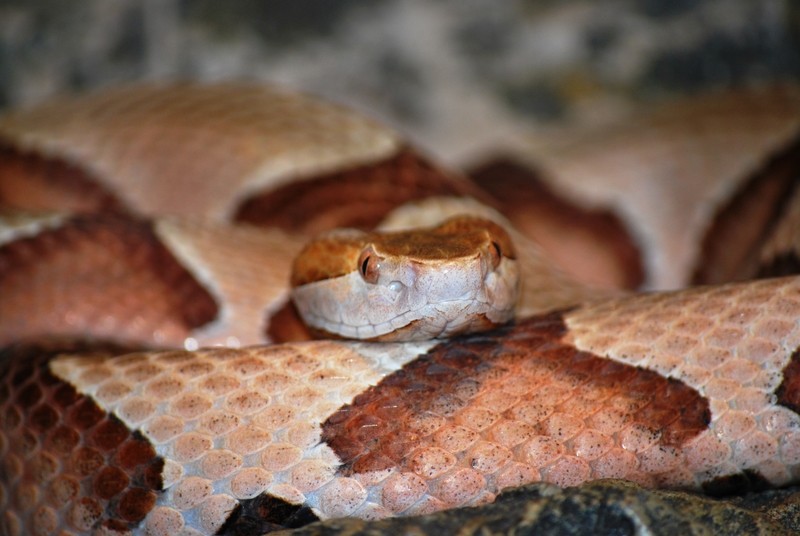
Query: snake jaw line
pixel 413 301
pixel 408 285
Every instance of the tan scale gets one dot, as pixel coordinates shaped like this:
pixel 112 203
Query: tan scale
pixel 234 423
pixel 731 343
pixel 550 399
pixel 666 172
pixel 197 150
pixel 220 441
pixel 218 255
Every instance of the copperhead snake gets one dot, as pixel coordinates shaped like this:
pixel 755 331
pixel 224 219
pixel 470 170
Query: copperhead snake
pixel 113 421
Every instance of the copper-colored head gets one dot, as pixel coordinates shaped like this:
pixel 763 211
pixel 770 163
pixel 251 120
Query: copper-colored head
pixel 458 276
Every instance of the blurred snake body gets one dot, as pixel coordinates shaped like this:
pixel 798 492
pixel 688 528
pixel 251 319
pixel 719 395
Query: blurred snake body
pixel 155 377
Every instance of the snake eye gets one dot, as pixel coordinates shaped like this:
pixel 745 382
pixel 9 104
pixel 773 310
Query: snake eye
pixel 495 252
pixel 369 266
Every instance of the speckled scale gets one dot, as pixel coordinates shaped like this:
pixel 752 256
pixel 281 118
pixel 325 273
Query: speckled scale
pixel 69 465
pixel 223 438
pixel 260 437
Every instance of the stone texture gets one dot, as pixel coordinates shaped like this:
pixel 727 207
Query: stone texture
pixel 441 70
pixel 600 507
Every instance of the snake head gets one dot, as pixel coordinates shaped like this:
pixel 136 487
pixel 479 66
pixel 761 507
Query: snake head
pixel 458 276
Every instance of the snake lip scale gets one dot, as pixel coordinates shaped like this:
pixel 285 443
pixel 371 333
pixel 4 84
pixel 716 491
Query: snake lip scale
pixel 408 285
pixel 112 275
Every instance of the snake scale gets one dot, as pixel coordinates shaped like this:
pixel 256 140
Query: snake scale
pixel 146 244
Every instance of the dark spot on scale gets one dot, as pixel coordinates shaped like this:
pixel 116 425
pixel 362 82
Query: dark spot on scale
pixel 65 395
pixel 152 475
pixel 21 374
pixel 135 451
pixel 109 434
pixel 380 429
pixel 29 441
pixel 135 503
pixel 265 513
pixel 64 439
pixel 110 481
pixel 12 418
pixel 86 460
pixel 43 418
pixel 86 414
pixel 81 453
pixel 29 396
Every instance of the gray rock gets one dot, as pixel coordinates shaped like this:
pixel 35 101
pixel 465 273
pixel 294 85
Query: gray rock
pixel 605 507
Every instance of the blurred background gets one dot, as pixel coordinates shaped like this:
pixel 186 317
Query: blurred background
pixel 458 76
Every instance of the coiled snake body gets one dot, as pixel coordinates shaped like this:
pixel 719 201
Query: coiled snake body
pixel 103 258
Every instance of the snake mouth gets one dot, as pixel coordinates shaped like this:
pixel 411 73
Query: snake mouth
pixel 451 318
pixel 413 300
pixel 432 282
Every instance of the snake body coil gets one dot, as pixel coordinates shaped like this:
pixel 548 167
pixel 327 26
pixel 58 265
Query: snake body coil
pixel 113 422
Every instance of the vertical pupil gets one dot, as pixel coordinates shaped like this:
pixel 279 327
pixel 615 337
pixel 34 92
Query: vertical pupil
pixel 364 266
pixel 497 248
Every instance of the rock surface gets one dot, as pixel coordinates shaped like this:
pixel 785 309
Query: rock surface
pixel 606 507
pixel 459 77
